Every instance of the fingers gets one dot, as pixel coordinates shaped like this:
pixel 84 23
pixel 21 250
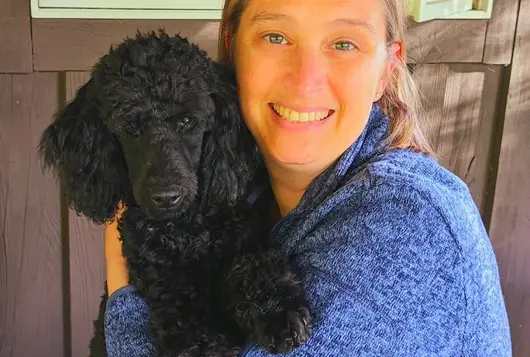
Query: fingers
pixel 119 212
pixel 112 241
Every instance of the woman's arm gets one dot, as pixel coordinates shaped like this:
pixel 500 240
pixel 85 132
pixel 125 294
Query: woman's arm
pixel 387 276
pixel 126 314
pixel 126 325
pixel 117 274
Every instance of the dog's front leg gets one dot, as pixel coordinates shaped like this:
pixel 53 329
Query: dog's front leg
pixel 157 267
pixel 267 301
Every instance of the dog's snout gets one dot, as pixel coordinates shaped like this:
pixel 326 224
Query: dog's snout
pixel 165 198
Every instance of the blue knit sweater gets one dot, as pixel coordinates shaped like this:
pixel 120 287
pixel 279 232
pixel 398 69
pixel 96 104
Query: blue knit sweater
pixel 393 254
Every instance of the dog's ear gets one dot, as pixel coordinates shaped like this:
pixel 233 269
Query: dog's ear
pixel 86 156
pixel 229 154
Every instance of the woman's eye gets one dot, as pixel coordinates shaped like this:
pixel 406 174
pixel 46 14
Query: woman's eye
pixel 344 46
pixel 275 39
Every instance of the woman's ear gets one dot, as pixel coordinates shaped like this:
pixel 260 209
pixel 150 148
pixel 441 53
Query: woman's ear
pixel 86 156
pixel 395 53
pixel 230 154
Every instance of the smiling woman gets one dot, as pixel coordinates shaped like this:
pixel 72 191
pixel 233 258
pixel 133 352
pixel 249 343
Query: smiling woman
pixel 310 60
pixel 313 58
pixel 388 244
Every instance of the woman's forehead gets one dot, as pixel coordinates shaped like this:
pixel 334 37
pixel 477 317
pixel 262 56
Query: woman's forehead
pixel 369 14
pixel 323 8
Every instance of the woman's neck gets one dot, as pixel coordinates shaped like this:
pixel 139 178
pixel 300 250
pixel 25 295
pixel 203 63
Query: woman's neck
pixel 289 185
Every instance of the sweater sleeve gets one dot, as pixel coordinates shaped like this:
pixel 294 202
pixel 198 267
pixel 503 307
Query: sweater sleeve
pixel 126 325
pixel 388 277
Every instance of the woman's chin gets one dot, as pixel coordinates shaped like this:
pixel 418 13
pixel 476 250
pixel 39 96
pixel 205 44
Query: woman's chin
pixel 290 155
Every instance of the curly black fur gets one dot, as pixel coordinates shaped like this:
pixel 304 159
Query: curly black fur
pixel 158 127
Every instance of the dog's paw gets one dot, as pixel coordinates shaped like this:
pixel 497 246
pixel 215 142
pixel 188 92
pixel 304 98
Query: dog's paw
pixel 285 327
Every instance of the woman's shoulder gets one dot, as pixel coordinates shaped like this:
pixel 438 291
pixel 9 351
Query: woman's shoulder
pixel 387 215
pixel 409 184
pixel 400 210
pixel 379 217
pixel 398 207
pixel 421 181
pixel 404 232
pixel 416 172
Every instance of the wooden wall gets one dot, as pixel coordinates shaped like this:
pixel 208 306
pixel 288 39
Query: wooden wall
pixel 475 77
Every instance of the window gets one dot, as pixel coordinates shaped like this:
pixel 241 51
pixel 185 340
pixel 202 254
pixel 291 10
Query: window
pixel 425 10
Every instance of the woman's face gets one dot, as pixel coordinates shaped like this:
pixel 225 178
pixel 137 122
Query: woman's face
pixel 308 72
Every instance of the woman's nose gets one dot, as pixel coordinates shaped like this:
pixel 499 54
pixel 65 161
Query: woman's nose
pixel 307 73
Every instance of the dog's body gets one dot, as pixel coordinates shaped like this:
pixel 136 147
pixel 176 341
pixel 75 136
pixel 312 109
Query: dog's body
pixel 219 281
pixel 158 128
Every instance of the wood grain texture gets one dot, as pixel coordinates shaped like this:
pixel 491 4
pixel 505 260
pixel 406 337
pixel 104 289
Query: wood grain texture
pixel 461 102
pixel 31 296
pixel 510 225
pixel 446 41
pixel 15 44
pixel 76 45
pixel 87 260
pixel 501 32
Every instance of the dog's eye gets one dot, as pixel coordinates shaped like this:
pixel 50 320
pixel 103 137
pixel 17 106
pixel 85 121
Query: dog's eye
pixel 185 122
pixel 133 127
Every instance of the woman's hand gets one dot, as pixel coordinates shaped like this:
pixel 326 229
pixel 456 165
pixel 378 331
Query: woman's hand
pixel 117 273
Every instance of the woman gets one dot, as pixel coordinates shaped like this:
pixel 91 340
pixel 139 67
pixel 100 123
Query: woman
pixel 389 245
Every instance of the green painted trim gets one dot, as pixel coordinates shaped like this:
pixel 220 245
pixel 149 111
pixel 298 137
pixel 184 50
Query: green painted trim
pixel 116 13
pixel 187 5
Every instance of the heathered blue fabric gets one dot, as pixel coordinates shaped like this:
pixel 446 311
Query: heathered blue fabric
pixel 394 256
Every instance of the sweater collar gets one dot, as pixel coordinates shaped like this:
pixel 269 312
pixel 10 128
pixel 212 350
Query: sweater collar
pixel 365 147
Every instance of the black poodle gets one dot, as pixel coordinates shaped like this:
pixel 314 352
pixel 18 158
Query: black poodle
pixel 158 127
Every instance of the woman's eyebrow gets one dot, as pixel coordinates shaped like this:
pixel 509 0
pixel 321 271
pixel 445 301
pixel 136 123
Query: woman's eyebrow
pixel 345 22
pixel 269 16
pixel 341 22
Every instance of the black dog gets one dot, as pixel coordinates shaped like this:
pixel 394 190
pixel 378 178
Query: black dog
pixel 158 127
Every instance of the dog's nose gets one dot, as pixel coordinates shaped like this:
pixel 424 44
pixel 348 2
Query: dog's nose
pixel 165 199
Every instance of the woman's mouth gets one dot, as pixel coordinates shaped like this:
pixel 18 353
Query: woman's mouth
pixel 295 116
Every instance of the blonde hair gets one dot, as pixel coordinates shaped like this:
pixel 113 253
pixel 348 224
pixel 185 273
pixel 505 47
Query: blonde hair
pixel 401 98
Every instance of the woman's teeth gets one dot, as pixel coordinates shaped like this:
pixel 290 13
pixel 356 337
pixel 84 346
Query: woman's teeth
pixel 293 115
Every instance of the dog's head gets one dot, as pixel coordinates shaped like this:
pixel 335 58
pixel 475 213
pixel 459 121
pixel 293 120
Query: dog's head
pixel 157 125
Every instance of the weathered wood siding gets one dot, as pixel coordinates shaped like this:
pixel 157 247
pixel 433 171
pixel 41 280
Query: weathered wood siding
pixel 475 76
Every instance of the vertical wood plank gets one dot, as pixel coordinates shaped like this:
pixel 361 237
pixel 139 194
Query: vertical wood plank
pixel 6 348
pixel 30 255
pixel 501 32
pixel 461 102
pixel 458 129
pixel 87 260
pixel 510 225
pixel 432 81
pixel 15 44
